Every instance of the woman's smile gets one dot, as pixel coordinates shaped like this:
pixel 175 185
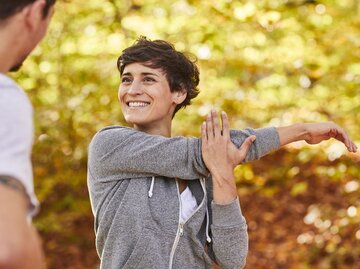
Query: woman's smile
pixel 137 104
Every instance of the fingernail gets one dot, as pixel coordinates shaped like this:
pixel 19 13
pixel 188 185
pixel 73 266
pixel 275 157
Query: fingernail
pixel 253 138
pixel 213 110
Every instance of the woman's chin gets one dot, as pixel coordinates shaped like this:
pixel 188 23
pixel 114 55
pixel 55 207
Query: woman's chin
pixel 134 121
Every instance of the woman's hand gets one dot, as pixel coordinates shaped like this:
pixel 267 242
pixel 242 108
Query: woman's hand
pixel 221 156
pixel 317 132
pixel 314 133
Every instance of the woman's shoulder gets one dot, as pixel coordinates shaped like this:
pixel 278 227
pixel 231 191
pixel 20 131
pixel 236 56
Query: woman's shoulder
pixel 110 134
pixel 114 130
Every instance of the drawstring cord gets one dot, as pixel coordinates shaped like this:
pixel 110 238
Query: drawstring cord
pixel 208 238
pixel 150 193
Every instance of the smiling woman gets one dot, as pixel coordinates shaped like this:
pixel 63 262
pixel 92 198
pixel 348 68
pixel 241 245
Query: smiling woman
pixel 171 202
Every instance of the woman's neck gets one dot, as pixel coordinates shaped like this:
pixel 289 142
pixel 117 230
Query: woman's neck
pixel 155 130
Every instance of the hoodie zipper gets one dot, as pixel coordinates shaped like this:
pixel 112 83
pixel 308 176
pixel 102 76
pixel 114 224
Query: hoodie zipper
pixel 180 229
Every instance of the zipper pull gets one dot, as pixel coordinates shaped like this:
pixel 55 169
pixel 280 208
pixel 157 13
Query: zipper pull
pixel 181 229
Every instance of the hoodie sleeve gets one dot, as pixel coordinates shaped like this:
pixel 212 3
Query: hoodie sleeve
pixel 267 140
pixel 229 235
pixel 118 152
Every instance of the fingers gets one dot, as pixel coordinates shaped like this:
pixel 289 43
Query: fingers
pixel 245 147
pixel 209 127
pixel 352 147
pixel 355 147
pixel 213 128
pixel 350 144
pixel 225 125
pixel 203 132
pixel 341 135
pixel 216 124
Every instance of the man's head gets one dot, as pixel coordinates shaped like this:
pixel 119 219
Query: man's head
pixel 182 74
pixel 23 23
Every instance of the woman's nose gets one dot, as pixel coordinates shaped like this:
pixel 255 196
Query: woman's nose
pixel 135 88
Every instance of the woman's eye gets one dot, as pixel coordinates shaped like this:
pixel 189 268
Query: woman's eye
pixel 125 80
pixel 149 79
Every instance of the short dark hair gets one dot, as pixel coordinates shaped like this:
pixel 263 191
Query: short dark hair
pixel 181 72
pixel 10 7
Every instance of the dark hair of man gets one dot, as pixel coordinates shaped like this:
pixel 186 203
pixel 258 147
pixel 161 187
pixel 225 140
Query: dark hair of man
pixel 10 7
pixel 181 72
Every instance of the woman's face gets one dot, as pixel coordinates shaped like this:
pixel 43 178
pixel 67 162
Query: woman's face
pixel 145 97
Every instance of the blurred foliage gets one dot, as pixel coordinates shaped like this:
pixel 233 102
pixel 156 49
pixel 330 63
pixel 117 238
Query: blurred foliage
pixel 265 62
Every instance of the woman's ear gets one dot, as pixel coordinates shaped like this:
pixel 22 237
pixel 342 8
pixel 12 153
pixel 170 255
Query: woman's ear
pixel 34 14
pixel 179 96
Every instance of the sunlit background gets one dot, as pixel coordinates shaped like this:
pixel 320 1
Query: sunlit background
pixel 267 63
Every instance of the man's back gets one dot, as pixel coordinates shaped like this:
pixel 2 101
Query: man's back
pixel 23 24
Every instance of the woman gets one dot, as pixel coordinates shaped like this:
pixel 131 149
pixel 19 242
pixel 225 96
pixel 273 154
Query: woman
pixel 163 202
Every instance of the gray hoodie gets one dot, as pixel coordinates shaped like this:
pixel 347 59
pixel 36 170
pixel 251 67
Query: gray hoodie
pixel 136 205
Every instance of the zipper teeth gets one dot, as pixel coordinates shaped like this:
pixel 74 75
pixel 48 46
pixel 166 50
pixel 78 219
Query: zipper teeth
pixel 181 225
pixel 176 241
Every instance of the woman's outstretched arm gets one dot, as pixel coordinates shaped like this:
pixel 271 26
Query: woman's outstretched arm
pixel 118 152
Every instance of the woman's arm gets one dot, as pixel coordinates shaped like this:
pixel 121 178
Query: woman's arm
pixel 221 156
pixel 116 153
pixel 229 245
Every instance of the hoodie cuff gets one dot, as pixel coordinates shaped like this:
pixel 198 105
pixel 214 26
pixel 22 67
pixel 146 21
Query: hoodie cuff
pixel 268 140
pixel 227 215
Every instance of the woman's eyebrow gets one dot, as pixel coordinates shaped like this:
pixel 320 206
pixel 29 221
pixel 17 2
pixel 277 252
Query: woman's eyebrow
pixel 149 73
pixel 143 74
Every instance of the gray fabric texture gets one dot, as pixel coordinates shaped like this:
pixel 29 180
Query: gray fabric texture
pixel 134 230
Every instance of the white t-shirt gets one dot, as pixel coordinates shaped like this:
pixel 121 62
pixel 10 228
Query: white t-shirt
pixel 188 204
pixel 16 137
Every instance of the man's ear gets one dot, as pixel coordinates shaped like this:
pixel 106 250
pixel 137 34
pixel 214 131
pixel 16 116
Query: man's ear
pixel 34 14
pixel 179 96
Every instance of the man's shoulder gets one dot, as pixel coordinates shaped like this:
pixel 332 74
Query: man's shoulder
pixel 12 97
pixel 8 83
